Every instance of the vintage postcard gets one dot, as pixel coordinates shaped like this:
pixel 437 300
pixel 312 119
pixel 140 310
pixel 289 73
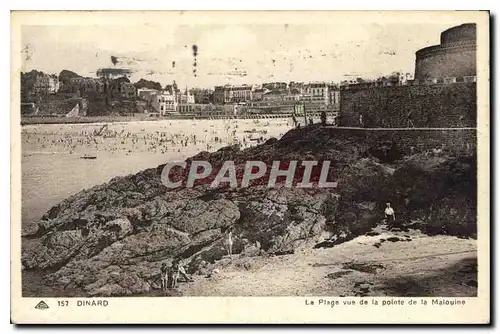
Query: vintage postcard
pixel 250 167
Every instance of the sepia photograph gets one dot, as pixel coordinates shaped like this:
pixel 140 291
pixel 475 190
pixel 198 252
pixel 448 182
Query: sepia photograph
pixel 179 154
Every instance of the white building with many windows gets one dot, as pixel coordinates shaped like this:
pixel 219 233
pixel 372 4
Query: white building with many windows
pixel 317 92
pixel 164 103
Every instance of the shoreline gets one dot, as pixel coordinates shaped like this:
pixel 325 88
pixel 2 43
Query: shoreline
pixel 33 120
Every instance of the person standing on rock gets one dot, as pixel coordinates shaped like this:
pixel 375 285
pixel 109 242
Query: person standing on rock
pixel 294 119
pixel 409 120
pixel 178 270
pixel 165 277
pixel 390 216
pixel 229 242
pixel 323 117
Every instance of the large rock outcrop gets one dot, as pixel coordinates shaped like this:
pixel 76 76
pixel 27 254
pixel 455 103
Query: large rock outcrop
pixel 438 192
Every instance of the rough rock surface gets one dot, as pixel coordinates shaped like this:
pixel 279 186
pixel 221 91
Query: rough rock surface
pixel 110 240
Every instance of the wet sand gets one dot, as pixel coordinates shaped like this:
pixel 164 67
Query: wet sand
pixel 421 265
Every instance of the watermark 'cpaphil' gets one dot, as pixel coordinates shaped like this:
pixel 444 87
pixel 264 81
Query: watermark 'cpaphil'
pixel 293 173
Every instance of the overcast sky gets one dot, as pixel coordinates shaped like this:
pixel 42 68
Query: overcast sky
pixel 279 52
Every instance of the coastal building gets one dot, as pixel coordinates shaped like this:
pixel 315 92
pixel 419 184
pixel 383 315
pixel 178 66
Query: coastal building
pixel 455 56
pixel 405 78
pixel 280 86
pixel 297 87
pixel 395 79
pixel 185 108
pixel 220 96
pixel 146 94
pixel 317 92
pixel 45 84
pixel 191 108
pixel 196 109
pixel 202 96
pixel 334 97
pixel 164 103
pixel 281 97
pixel 232 94
pixel 240 93
pixel 186 98
pixel 258 94
pixel 173 89
pixel 274 96
pixel 291 98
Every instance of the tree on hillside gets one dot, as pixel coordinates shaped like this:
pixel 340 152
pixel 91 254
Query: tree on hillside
pixel 395 74
pixel 120 80
pixel 28 81
pixel 143 83
pixel 66 75
pixel 392 76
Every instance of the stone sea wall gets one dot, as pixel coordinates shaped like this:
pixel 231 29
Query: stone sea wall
pixel 426 106
pixel 411 140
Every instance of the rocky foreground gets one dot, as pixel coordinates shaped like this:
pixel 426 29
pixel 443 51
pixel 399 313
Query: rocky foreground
pixel 110 240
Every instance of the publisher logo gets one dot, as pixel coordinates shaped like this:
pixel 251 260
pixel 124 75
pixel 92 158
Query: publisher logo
pixel 42 306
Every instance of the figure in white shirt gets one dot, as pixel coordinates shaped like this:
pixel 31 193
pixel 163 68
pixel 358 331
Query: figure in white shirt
pixel 389 213
pixel 228 242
